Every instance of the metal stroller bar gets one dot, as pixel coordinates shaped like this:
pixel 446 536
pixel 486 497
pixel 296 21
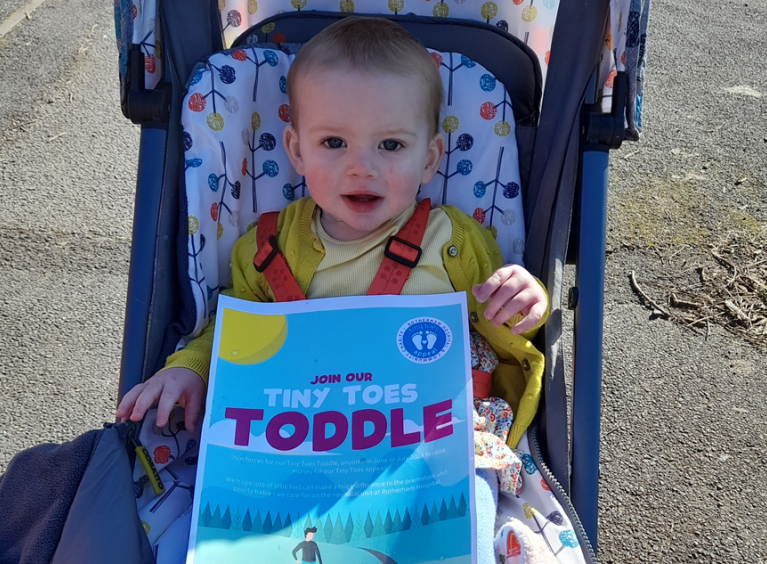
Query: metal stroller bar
pixel 600 133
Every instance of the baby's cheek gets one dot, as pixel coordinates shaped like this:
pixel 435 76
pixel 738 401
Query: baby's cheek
pixel 404 178
pixel 319 180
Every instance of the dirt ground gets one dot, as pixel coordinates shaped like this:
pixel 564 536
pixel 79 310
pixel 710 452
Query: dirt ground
pixel 684 429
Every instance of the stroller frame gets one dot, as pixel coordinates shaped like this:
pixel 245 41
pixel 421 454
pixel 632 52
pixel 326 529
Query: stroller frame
pixel 565 217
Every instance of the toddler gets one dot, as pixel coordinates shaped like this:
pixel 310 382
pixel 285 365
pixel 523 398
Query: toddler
pixel 365 100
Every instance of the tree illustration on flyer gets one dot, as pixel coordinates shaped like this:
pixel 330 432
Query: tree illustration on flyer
pixel 337 430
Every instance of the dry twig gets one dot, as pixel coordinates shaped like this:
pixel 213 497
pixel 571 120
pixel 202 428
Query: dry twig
pixel 647 298
pixel 676 302
pixel 737 311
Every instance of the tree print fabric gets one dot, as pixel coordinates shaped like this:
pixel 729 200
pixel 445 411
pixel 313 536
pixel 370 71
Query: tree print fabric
pixel 517 544
pixel 144 16
pixel 625 50
pixel 533 526
pixel 530 20
pixel 173 451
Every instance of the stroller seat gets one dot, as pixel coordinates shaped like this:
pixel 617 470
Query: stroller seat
pixel 235 169
pixel 562 159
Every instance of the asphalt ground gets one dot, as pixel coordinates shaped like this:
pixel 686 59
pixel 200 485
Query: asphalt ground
pixel 8 7
pixel 67 177
pixel 684 427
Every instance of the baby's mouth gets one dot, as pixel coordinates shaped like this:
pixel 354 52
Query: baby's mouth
pixel 362 203
pixel 362 198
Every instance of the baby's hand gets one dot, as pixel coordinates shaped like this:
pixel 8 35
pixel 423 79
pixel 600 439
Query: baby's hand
pixel 511 290
pixel 164 389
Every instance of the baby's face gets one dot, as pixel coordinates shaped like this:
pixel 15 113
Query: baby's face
pixel 363 144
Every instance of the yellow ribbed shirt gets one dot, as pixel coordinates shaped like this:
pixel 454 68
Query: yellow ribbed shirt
pixel 348 267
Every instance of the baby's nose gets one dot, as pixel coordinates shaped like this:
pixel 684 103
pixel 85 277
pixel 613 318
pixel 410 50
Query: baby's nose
pixel 361 163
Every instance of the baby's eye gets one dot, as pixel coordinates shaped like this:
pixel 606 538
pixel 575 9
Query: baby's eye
pixel 391 145
pixel 333 142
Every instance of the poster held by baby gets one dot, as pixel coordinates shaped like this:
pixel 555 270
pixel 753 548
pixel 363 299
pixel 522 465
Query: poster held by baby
pixel 337 430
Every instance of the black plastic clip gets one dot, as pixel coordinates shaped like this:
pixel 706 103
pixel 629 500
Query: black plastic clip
pixel 607 129
pixel 410 263
pixel 264 264
pixel 141 105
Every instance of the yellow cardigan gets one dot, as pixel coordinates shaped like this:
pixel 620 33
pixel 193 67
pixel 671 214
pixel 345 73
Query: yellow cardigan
pixel 470 257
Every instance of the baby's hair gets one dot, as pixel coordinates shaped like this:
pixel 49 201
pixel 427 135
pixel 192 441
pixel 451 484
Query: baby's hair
pixel 369 44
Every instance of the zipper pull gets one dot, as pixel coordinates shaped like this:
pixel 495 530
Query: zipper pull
pixel 142 454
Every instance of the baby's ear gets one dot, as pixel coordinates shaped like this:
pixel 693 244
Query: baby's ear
pixel 433 158
pixel 293 148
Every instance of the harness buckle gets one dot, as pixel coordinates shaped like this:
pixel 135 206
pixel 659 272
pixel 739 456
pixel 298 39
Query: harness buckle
pixel 262 264
pixel 402 251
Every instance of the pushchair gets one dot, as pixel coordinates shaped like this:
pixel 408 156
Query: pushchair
pixel 562 141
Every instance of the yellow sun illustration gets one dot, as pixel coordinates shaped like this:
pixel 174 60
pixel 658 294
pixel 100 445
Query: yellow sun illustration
pixel 247 338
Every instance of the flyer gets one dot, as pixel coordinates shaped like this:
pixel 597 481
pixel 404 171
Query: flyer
pixel 337 431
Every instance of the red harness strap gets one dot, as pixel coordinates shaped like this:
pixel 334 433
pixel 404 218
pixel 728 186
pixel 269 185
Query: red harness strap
pixel 270 261
pixel 483 382
pixel 401 254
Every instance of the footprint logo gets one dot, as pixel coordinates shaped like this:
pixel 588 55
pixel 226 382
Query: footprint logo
pixel 424 339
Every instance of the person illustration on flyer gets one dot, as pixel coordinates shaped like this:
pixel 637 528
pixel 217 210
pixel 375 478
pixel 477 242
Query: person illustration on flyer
pixel 310 552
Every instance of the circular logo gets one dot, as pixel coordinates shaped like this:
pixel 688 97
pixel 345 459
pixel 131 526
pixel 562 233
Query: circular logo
pixel 424 339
